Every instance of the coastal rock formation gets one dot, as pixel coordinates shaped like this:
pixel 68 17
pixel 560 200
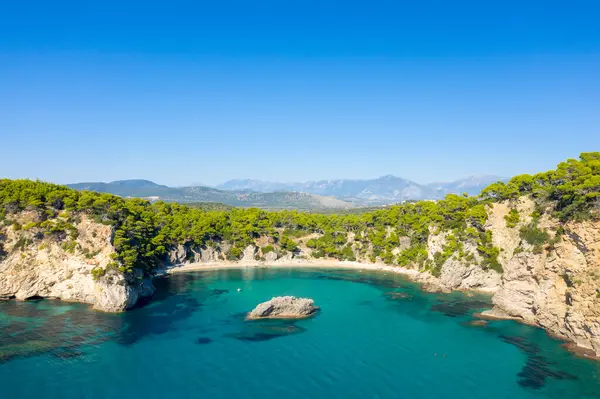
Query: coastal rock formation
pixel 271 256
pixel 284 307
pixel 249 254
pixel 557 289
pixel 44 267
pixel 458 274
pixel 554 285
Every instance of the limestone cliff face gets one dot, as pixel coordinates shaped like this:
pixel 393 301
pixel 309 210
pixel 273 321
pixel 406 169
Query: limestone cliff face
pixel 557 288
pixel 36 266
pixel 459 274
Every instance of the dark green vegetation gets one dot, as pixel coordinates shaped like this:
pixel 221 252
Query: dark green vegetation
pixel 144 231
pixel 513 218
pixel 572 190
pixel 244 199
pixel 210 206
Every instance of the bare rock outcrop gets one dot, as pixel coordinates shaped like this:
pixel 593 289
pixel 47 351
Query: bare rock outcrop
pixel 51 269
pixel 249 254
pixel 271 256
pixel 459 274
pixel 284 307
pixel 556 288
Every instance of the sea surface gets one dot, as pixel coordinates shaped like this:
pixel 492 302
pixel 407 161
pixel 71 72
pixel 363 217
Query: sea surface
pixel 376 336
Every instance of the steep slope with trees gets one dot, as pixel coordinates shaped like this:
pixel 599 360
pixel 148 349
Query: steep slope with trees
pixel 533 240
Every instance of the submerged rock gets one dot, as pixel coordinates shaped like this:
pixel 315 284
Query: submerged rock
pixel 266 330
pixel 284 307
pixel 398 295
pixel 580 350
pixel 478 323
pixel 494 314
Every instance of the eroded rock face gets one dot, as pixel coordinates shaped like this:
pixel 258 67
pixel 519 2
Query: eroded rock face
pixel 284 307
pixel 271 256
pixel 209 254
pixel 557 289
pixel 44 268
pixel 458 274
pixel 249 254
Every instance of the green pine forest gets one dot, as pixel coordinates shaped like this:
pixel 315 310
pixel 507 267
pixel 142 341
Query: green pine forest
pixel 144 232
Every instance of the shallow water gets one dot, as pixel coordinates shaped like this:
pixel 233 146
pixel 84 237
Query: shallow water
pixel 377 336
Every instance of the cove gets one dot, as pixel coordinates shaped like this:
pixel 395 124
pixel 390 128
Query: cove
pixel 377 336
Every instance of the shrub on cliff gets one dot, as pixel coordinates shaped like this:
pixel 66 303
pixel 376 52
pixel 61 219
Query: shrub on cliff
pixel 513 218
pixel 534 235
pixel 573 189
pixel 143 232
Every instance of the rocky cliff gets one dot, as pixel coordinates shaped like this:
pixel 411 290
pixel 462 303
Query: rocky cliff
pixel 556 286
pixel 553 282
pixel 35 265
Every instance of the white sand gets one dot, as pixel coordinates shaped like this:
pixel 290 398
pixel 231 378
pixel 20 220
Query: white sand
pixel 296 263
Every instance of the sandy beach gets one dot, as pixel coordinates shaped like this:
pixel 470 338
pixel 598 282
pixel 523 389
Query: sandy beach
pixel 296 263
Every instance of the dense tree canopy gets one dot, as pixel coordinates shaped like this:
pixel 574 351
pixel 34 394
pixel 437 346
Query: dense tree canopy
pixel 573 189
pixel 144 231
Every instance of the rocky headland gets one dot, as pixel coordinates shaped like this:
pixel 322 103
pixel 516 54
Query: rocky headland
pixel 533 243
pixel 38 267
pixel 556 288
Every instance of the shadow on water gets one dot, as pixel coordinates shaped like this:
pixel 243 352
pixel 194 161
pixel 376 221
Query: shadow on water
pixel 35 328
pixel 171 304
pixel 217 292
pixel 379 281
pixel 203 340
pixel 458 307
pixel 537 368
pixel 65 331
pixel 266 330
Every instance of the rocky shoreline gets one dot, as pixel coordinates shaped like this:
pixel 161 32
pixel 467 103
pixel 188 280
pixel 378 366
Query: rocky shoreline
pixel 554 287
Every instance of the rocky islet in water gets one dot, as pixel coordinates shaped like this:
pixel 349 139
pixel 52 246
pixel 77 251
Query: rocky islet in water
pixel 284 307
pixel 198 321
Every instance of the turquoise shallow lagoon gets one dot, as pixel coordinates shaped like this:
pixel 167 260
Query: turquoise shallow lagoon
pixel 377 336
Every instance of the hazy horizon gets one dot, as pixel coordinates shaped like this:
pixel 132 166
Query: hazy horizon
pixel 200 184
pixel 280 92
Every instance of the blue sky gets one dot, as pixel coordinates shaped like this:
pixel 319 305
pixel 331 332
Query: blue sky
pixel 198 91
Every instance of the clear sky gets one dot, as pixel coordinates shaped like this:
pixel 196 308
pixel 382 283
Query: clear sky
pixel 204 91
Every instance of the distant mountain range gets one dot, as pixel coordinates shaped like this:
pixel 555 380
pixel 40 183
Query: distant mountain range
pixel 383 190
pixel 312 195
pixel 239 198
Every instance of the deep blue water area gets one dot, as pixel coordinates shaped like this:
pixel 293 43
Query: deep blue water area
pixel 376 336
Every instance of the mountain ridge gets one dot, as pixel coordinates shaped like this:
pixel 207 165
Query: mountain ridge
pixel 379 191
pixel 239 198
pixel 317 194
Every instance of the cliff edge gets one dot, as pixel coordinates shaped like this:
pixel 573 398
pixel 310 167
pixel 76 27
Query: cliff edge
pixel 63 265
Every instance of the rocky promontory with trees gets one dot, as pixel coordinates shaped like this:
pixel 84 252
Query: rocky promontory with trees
pixel 534 242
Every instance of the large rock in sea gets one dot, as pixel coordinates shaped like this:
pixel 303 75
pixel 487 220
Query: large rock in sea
pixel 284 307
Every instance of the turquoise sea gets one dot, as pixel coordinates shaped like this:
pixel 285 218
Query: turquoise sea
pixel 376 336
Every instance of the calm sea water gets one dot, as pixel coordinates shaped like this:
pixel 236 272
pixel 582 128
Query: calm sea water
pixel 377 336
